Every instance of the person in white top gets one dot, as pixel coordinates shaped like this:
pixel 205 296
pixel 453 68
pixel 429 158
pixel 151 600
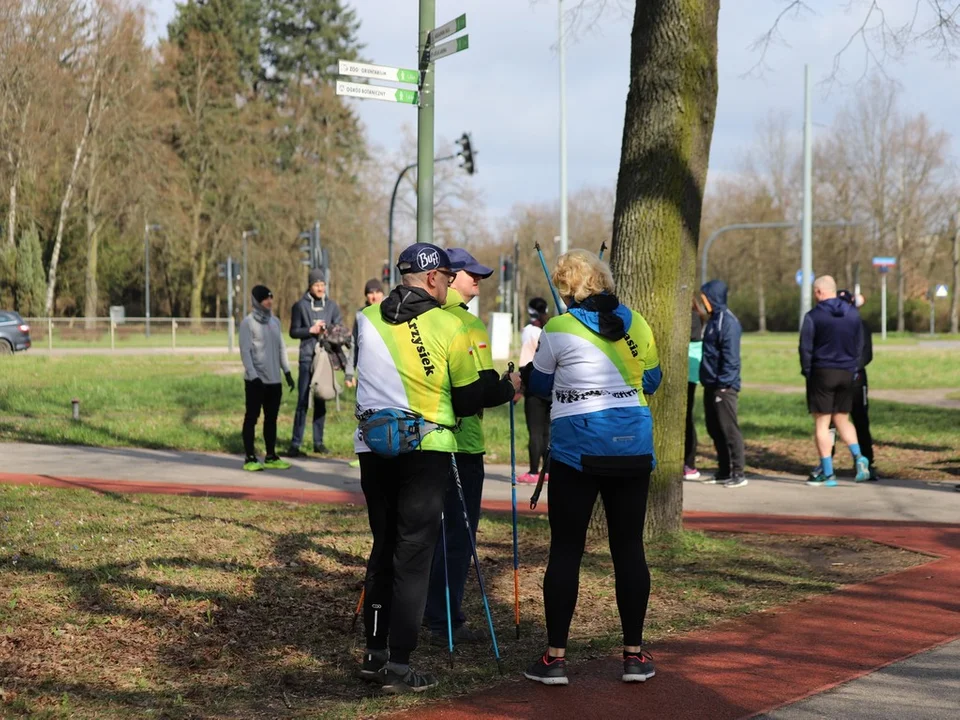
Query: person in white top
pixel 536 409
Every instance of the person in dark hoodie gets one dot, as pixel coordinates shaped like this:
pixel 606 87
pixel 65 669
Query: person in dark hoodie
pixel 309 318
pixel 415 365
pixel 831 342
pixel 599 361
pixel 720 377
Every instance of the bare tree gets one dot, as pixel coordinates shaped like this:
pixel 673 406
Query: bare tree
pixel 954 299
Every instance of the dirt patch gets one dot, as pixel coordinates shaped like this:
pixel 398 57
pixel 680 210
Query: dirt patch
pixel 838 560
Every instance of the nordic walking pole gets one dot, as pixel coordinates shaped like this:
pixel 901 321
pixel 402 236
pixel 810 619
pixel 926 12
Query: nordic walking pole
pixel 513 497
pixel 356 613
pixel 603 247
pixel 476 561
pixel 561 308
pixel 446 583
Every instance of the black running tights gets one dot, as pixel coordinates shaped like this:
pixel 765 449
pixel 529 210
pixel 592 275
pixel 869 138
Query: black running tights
pixel 573 495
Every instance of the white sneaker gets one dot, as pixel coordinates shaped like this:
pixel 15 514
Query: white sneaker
pixel 690 473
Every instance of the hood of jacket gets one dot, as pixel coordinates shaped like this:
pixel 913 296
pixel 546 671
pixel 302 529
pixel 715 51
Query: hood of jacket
pixel 604 315
pixel 716 292
pixel 403 304
pixel 835 306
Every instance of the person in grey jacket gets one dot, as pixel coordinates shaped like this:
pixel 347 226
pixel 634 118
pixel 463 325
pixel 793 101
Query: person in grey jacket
pixel 264 358
pixel 309 318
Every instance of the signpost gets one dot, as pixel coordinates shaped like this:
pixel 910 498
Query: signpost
pixel 883 264
pixel 379 72
pixel 422 97
pixel 940 291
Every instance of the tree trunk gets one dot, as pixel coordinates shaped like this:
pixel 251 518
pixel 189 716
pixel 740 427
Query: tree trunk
pixel 91 290
pixel 954 299
pixel 198 273
pixel 668 125
pixel 901 280
pixel 68 197
pixel 16 159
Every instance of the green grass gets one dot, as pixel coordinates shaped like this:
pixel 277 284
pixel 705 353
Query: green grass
pixel 773 360
pixel 122 607
pixel 196 403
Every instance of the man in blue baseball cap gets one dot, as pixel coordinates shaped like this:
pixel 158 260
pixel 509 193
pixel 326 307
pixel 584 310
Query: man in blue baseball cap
pixel 415 376
pixel 497 390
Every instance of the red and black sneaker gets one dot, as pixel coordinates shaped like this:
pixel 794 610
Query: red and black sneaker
pixel 549 671
pixel 638 667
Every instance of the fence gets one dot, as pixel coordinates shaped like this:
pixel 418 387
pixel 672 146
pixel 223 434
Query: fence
pixel 102 333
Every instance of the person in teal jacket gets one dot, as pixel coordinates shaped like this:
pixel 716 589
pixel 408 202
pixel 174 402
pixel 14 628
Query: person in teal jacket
pixel 694 354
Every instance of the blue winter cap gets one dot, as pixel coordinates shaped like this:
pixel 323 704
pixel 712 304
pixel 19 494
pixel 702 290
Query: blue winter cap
pixel 469 263
pixel 423 257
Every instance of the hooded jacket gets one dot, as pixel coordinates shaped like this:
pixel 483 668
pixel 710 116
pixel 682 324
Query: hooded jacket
pixel 600 362
pixel 414 356
pixel 720 363
pixel 305 312
pixel 831 337
pixel 262 349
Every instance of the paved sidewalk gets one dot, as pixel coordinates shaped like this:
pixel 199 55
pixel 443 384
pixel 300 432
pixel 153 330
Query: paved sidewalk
pixel 210 472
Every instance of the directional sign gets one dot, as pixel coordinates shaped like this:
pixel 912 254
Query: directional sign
pixel 377 92
pixel 884 262
pixel 941 291
pixel 450 48
pixel 800 278
pixel 448 29
pixel 379 72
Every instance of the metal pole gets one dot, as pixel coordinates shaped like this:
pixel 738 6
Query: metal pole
pixel 564 239
pixel 246 285
pixel 146 265
pixel 230 323
pixel 883 305
pixel 933 315
pixel 393 202
pixel 704 257
pixel 425 132
pixel 806 255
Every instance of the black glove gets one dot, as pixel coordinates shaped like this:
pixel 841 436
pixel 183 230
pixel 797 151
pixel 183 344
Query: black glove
pixel 290 384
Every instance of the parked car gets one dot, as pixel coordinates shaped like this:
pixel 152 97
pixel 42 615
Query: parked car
pixel 14 333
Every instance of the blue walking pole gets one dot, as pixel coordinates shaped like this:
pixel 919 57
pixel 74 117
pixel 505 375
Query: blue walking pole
pixel 446 584
pixel 513 498
pixel 603 247
pixel 476 561
pixel 561 308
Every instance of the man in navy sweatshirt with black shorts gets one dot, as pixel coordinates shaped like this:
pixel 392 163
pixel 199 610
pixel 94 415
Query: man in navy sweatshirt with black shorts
pixel 831 340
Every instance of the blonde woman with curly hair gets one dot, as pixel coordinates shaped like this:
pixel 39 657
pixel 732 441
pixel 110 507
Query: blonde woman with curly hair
pixel 599 362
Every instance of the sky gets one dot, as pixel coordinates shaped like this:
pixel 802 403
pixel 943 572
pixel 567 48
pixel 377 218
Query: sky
pixel 504 88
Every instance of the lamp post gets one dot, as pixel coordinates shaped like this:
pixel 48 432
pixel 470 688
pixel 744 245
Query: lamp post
pixel 147 228
pixel 246 290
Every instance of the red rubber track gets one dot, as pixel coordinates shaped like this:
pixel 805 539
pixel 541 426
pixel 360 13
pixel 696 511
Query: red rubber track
pixel 732 670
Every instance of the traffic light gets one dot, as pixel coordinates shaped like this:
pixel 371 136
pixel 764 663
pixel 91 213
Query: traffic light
pixel 466 154
pixel 507 270
pixel 385 275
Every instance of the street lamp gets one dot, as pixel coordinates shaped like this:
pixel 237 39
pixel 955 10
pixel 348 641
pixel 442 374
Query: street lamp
pixel 146 263
pixel 253 232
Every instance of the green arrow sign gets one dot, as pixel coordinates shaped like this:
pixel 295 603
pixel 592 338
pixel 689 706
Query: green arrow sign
pixel 448 29
pixel 377 92
pixel 450 48
pixel 379 72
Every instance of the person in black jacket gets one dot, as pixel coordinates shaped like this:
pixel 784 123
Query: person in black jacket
pixel 720 377
pixel 309 318
pixel 860 413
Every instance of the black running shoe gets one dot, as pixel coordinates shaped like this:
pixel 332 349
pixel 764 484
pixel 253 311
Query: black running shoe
pixel 548 671
pixel 321 449
pixel 370 668
pixel 396 684
pixel 638 668
pixel 295 452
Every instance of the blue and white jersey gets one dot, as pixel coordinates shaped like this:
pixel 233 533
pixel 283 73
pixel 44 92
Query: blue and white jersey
pixel 599 415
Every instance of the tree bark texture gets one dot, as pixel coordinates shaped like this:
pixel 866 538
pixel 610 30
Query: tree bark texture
pixel 671 104
pixel 91 294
